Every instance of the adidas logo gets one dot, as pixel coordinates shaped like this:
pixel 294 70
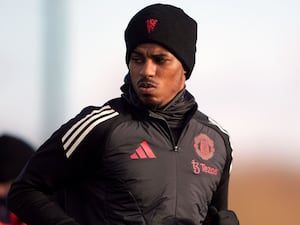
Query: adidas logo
pixel 143 152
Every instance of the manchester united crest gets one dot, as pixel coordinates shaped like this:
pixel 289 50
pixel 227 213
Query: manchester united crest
pixel 204 146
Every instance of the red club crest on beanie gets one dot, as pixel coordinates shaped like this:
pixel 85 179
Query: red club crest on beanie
pixel 168 26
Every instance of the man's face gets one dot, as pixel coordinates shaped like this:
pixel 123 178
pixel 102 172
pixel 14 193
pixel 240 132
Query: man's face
pixel 156 74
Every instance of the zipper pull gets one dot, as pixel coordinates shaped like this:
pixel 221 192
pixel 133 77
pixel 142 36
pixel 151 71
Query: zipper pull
pixel 176 148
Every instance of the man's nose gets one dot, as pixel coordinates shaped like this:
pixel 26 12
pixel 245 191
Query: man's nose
pixel 148 69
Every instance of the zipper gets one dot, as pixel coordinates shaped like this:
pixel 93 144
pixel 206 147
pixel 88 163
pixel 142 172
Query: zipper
pixel 176 148
pixel 174 145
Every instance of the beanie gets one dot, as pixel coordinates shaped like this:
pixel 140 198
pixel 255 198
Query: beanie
pixel 168 26
pixel 14 153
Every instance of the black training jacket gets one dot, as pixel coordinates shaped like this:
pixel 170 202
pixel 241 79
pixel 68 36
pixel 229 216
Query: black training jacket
pixel 118 165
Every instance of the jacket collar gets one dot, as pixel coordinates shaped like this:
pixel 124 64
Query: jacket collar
pixel 175 112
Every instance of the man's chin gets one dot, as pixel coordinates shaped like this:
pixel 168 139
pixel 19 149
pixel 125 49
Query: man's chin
pixel 150 103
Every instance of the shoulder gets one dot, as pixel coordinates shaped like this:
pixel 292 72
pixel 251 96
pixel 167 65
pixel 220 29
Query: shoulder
pixel 91 125
pixel 98 114
pixel 213 124
pixel 206 120
pixel 92 116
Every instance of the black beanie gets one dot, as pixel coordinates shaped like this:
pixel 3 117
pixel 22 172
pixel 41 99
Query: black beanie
pixel 14 153
pixel 168 26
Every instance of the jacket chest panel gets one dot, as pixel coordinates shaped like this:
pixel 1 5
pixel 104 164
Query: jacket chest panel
pixel 140 159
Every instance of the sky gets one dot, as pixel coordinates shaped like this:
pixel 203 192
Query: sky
pixel 57 57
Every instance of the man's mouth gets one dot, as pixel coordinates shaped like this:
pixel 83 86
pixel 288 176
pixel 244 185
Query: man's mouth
pixel 146 87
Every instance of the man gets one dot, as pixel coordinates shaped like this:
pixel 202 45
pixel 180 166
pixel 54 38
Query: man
pixel 141 159
pixel 14 153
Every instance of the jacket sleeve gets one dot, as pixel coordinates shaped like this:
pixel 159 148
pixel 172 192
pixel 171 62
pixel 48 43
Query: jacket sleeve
pixel 220 197
pixel 47 172
pixel 218 212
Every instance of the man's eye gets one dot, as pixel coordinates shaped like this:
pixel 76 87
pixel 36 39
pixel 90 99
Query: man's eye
pixel 160 60
pixel 136 59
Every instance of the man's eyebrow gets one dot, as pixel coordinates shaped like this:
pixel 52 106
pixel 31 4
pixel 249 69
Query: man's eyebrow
pixel 136 52
pixel 160 54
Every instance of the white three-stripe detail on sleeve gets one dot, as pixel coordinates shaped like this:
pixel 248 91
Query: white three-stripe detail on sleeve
pixel 81 129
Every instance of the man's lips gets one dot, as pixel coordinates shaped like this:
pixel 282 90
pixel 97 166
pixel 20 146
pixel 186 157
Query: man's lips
pixel 146 87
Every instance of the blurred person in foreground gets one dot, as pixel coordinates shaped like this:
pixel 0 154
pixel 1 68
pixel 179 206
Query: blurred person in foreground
pixel 14 153
pixel 139 159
